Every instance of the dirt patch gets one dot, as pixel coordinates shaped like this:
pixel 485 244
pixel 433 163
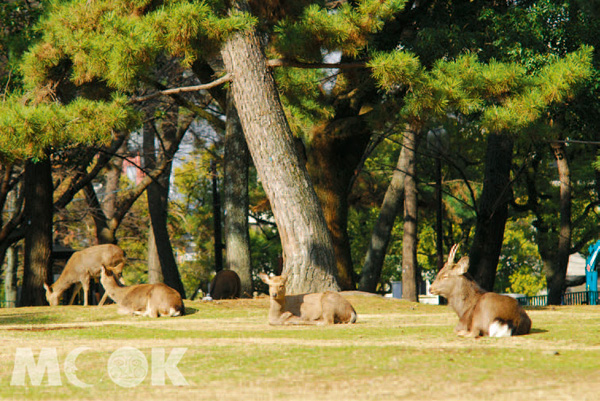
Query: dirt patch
pixel 45 328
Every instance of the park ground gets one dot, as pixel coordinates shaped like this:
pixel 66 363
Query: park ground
pixel 397 350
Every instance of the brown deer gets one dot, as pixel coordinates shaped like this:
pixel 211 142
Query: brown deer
pixel 316 308
pixel 480 313
pixel 81 267
pixel 151 300
pixel 225 285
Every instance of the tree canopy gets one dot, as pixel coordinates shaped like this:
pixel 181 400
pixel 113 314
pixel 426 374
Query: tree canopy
pixel 337 88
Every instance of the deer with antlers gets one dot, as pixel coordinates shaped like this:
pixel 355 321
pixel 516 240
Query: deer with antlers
pixel 480 313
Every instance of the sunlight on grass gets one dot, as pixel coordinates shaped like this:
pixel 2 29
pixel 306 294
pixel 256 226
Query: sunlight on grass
pixel 396 350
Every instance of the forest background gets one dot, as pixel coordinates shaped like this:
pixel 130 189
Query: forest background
pixel 362 138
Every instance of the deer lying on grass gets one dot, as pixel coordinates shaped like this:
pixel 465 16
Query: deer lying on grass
pixel 225 285
pixel 317 308
pixel 480 312
pixel 81 267
pixel 151 300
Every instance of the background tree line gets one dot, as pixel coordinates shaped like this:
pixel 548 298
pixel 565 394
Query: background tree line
pixel 321 121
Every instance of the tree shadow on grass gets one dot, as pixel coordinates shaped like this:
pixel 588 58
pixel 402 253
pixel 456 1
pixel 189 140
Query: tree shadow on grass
pixel 190 311
pixel 28 318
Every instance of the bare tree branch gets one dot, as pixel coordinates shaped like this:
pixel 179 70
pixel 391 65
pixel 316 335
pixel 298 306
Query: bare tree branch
pixel 183 89
pixel 226 78
pixel 280 62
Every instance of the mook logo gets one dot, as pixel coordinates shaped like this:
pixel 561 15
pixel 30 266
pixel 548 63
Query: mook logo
pixel 126 367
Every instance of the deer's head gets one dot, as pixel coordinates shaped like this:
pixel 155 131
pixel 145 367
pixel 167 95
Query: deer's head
pixel 51 296
pixel 450 275
pixel 276 285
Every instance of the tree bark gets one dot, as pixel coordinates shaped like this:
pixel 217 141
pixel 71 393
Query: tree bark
pixel 236 200
pixel 217 225
pixel 393 203
pixel 306 242
pixel 334 155
pixel 335 151
pixel 439 214
pixel 410 268
pixel 154 269
pixel 556 271
pixel 104 213
pixel 38 238
pixel 12 200
pixel 158 196
pixel 10 276
pixel 492 212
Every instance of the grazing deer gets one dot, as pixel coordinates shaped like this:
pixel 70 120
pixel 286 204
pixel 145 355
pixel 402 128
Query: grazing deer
pixel 480 312
pixel 151 300
pixel 225 285
pixel 81 267
pixel 317 308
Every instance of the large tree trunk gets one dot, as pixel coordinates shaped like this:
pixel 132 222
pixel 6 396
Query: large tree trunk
pixel 154 269
pixel 11 231
pixel 10 276
pixel 492 211
pixel 217 225
pixel 556 271
pixel 393 202
pixel 235 189
pixel 410 268
pixel 335 151
pixel 104 213
pixel 158 196
pixel 336 148
pixel 38 238
pixel 306 243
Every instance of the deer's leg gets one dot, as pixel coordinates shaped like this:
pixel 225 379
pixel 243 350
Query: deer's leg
pixel 151 310
pixel 75 292
pixel 103 298
pixel 86 289
pixel 474 333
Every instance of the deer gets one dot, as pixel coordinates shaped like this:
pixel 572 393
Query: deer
pixel 81 267
pixel 225 285
pixel 151 300
pixel 315 308
pixel 480 313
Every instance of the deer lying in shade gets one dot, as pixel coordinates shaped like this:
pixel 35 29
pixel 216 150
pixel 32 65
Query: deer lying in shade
pixel 316 308
pixel 81 267
pixel 151 300
pixel 226 285
pixel 480 313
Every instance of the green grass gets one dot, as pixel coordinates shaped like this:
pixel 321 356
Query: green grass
pixel 397 350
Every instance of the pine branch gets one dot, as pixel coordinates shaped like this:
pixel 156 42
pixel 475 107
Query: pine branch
pixel 280 62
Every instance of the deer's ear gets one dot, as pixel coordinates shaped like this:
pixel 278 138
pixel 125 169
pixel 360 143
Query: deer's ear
pixel 264 277
pixel 47 287
pixel 284 278
pixel 462 266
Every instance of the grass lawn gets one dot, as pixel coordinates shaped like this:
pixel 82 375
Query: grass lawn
pixel 396 351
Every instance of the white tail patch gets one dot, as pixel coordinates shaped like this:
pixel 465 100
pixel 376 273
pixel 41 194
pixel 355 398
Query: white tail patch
pixel 498 329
